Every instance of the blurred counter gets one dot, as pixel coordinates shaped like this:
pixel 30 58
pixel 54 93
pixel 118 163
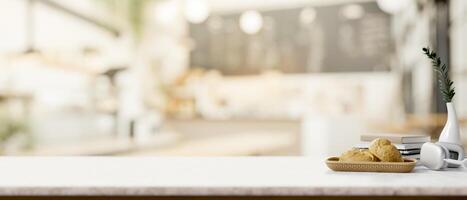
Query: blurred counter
pixel 191 138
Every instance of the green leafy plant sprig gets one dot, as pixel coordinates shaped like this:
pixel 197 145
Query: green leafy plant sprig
pixel 444 83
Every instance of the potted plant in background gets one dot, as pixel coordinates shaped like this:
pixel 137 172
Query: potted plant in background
pixel 450 133
pixel 11 128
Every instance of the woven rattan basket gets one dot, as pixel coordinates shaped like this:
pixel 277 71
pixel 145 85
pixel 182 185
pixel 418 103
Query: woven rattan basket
pixel 395 167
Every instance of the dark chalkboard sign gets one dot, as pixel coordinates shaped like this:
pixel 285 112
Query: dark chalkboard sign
pixel 335 38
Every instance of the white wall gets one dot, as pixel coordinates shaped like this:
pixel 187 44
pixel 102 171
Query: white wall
pixel 53 28
pixel 60 78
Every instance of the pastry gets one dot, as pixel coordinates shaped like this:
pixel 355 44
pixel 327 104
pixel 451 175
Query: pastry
pixel 356 155
pixel 385 151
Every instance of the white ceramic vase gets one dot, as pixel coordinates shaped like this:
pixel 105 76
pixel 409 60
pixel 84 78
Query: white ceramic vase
pixel 450 137
pixel 450 133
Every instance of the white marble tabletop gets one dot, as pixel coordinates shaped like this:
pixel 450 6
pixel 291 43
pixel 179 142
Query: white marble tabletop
pixel 212 176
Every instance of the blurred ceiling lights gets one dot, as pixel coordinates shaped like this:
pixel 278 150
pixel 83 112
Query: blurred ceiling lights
pixel 251 22
pixel 166 12
pixel 391 6
pixel 352 11
pixel 307 15
pixel 196 11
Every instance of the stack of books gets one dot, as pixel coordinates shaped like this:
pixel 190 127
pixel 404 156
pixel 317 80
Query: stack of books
pixel 408 145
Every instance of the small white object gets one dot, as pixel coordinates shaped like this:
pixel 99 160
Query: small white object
pixel 392 6
pixel 166 12
pixel 462 163
pixel 432 156
pixel 251 22
pixel 436 157
pixel 196 11
pixel 307 16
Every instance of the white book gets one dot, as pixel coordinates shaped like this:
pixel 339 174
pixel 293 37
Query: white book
pixel 365 145
pixel 415 156
pixel 397 138
pixel 410 152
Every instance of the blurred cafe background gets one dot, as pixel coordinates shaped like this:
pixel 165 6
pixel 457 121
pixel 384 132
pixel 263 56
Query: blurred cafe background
pixel 222 77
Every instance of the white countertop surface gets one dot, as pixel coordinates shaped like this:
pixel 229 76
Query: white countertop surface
pixel 212 176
